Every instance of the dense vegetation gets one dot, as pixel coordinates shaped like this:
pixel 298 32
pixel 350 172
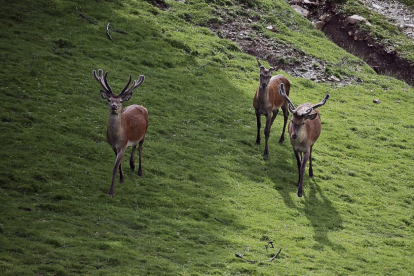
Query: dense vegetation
pixel 206 193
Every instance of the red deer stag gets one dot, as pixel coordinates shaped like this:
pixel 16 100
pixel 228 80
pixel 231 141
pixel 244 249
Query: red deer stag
pixel 126 127
pixel 267 102
pixel 304 129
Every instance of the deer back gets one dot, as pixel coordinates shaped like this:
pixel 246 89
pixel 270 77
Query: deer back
pixel 274 85
pixel 274 99
pixel 135 123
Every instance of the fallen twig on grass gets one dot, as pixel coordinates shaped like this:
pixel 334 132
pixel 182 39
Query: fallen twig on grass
pixel 253 262
pixel 107 32
pixel 107 26
pixel 219 220
pixel 93 22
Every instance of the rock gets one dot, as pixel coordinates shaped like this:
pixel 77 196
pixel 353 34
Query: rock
pixel 354 19
pixel 310 3
pixel 301 10
pixel 378 7
pixel 377 101
pixel 326 17
pixel 318 25
pixel 333 78
pixel 272 28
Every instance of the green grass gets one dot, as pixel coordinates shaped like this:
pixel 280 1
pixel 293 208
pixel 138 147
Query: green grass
pixel 409 3
pixel 206 193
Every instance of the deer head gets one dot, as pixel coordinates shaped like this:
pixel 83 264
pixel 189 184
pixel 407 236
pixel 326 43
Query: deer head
pixel 115 101
pixel 265 74
pixel 301 114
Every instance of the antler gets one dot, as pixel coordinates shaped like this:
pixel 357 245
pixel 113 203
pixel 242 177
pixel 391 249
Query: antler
pixel 102 80
pixel 258 62
pixel 262 67
pixel 134 85
pixel 318 104
pixel 292 107
pixel 126 86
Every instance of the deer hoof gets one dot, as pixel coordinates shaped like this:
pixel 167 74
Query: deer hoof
pixel 299 193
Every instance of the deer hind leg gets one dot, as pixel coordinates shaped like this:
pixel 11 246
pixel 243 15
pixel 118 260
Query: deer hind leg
pixel 119 156
pixel 258 119
pixel 140 156
pixel 285 119
pixel 132 159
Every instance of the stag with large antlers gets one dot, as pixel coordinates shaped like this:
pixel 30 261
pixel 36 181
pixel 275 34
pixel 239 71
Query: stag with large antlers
pixel 304 129
pixel 126 127
pixel 267 102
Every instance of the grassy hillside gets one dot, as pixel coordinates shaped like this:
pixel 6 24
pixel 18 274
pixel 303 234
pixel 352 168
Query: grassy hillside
pixel 206 193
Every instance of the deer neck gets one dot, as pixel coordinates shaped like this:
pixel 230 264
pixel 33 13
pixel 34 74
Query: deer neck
pixel 114 127
pixel 263 94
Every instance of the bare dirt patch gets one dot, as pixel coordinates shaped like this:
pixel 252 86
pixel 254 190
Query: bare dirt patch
pixel 240 29
pixel 342 30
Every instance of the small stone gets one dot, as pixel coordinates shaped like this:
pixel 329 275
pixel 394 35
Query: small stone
pixel 377 101
pixel 333 78
pixel 378 7
pixel 354 19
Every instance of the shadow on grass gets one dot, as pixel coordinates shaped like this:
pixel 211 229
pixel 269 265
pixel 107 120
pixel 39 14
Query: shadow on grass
pixel 317 207
pixel 323 216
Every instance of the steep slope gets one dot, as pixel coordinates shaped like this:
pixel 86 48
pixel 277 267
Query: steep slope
pixel 206 194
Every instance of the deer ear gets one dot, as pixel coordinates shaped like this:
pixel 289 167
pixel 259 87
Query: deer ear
pixel 126 96
pixel 311 116
pixel 105 95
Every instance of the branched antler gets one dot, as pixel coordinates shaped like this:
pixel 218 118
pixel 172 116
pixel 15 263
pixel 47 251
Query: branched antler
pixel 292 107
pixel 318 104
pixel 107 32
pixel 102 81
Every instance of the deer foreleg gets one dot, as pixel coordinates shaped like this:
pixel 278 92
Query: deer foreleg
pixel 310 162
pixel 258 119
pixel 298 156
pixel 121 173
pixel 285 119
pixel 118 161
pixel 274 112
pixel 267 133
pixel 302 172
